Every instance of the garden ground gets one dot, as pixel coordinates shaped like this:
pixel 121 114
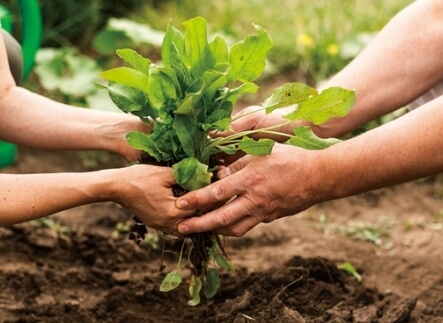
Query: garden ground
pixel 286 271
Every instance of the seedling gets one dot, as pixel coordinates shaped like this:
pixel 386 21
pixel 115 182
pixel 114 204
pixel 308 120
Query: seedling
pixel 350 269
pixel 191 96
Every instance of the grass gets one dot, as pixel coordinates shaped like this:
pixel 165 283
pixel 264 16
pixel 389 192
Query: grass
pixel 318 37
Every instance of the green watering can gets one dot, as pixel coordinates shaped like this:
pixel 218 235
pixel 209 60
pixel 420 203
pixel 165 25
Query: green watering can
pixel 30 43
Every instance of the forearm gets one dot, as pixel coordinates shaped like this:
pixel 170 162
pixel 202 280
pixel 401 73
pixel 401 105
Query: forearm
pixel 32 120
pixel 402 150
pixel 401 63
pixel 31 196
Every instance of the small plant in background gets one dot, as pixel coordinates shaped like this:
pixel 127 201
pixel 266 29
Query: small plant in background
pixel 350 269
pixel 51 224
pixel 67 74
pixel 191 96
pixel 378 232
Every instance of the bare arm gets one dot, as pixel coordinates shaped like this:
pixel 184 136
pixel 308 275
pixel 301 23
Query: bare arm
pixel 400 64
pixel 29 119
pixel 143 190
pixel 32 120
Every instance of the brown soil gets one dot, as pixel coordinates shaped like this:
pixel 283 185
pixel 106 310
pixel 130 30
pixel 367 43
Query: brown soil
pixel 286 271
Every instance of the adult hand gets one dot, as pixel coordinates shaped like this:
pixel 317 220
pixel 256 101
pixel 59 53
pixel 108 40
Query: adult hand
pixel 146 191
pixel 262 188
pixel 255 117
pixel 130 123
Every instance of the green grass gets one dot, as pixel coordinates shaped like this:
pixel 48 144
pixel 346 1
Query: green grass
pixel 318 37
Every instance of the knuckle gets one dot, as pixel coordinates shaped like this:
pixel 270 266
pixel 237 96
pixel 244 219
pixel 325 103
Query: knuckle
pixel 237 233
pixel 219 192
pixel 223 219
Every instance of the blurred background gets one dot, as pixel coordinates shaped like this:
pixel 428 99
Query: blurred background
pixel 312 39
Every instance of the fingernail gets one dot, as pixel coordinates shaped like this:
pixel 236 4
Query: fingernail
pixel 182 204
pixel 183 228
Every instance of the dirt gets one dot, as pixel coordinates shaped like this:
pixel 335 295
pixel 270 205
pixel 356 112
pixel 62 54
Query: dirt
pixel 286 271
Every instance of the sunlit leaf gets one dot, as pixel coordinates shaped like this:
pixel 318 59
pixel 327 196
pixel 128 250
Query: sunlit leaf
pixel 197 53
pixel 248 57
pixel 288 94
pixel 220 50
pixel 127 76
pixel 134 59
pixel 332 102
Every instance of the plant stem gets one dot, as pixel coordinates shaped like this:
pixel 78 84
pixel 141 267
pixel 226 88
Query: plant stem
pixel 232 138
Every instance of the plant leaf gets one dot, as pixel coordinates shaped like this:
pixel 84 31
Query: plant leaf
pixel 288 94
pixel 161 87
pixel 134 59
pixel 126 98
pixel 195 286
pixel 141 141
pixel 247 87
pixel 248 57
pixel 172 47
pixel 127 76
pixel 228 149
pixel 220 50
pixel 250 146
pixel 197 53
pixel 219 257
pixel 189 134
pixel 171 281
pixel 350 269
pixel 332 102
pixel 212 283
pixel 191 174
pixel 306 138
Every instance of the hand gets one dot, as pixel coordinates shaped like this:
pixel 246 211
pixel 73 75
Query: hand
pixel 146 191
pixel 263 188
pixel 129 124
pixel 255 117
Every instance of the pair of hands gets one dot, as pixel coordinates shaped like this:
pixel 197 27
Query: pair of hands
pixel 258 188
pixel 261 186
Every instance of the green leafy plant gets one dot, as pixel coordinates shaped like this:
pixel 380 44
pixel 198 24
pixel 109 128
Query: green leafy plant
pixel 191 98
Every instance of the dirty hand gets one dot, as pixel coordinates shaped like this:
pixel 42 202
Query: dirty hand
pixel 262 188
pixel 146 191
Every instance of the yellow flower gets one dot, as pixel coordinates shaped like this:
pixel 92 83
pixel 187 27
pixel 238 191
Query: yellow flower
pixel 333 49
pixel 305 40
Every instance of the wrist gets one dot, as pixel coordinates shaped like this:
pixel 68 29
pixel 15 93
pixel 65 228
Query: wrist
pixel 105 185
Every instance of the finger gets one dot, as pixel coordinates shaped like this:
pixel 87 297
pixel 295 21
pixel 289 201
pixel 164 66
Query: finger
pixel 220 218
pixel 239 228
pixel 219 191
